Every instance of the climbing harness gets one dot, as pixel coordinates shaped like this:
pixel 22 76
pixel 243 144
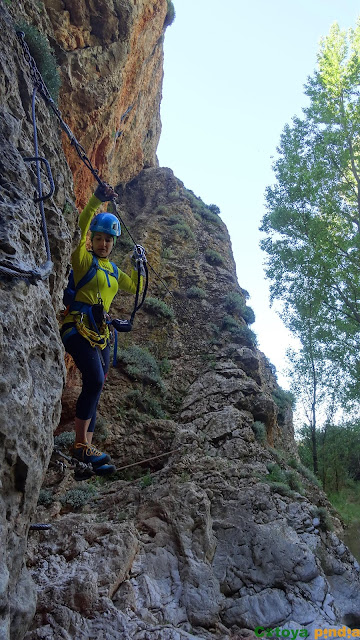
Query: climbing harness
pixel 96 335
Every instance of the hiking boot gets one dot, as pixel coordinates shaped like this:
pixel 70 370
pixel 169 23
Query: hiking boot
pixel 90 455
pixel 105 470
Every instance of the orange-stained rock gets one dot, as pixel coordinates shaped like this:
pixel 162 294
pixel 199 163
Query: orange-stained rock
pixel 112 68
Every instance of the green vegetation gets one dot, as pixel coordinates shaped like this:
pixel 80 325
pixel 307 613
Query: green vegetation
pixel 65 440
pixel 213 257
pixel 196 203
pixel 347 501
pixel 165 367
pixel 146 481
pixel 196 292
pixel 294 481
pixel 235 303
pixel 145 403
pixel 167 253
pixel 276 474
pixel 240 333
pixel 170 16
pixel 324 517
pixel 338 454
pixel 162 210
pixel 78 497
pixel 46 497
pixel 141 365
pixel 312 245
pixel 304 471
pixel 183 230
pixel 214 209
pixel 282 488
pixel 259 430
pixel 229 323
pixel 158 308
pixel 209 216
pixel 284 482
pixel 283 399
pixel 68 209
pixel 313 235
pixel 44 57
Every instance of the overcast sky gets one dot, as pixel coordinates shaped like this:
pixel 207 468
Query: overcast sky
pixel 233 77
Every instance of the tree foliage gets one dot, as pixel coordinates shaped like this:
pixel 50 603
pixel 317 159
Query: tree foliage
pixel 312 223
pixel 338 454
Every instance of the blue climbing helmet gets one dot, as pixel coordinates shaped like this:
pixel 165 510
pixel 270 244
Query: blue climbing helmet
pixel 105 223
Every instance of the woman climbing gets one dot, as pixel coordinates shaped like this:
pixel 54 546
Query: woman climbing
pixel 85 333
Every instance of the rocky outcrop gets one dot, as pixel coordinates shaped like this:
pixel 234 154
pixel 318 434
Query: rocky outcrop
pixel 32 371
pixel 202 543
pixel 216 532
pixel 126 50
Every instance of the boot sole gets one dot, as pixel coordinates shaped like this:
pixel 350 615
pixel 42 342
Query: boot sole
pixel 109 470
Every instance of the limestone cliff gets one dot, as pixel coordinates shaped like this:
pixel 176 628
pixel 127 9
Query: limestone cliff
pixel 220 535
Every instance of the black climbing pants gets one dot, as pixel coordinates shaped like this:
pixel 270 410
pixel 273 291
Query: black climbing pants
pixel 93 371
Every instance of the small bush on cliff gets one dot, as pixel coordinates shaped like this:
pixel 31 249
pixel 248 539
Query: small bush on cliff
pixel 240 333
pixel 282 488
pixel 167 253
pixel 325 520
pixel 76 498
pixel 170 16
pixel 279 478
pixel 283 399
pixel 259 430
pixel 209 216
pixel 229 322
pixel 276 474
pixel 141 365
pixel 304 471
pixel 145 403
pixel 294 482
pixel 64 440
pixel 183 230
pixel 235 303
pixel 158 308
pixel 44 57
pixel 162 210
pixel 46 497
pixel 213 257
pixel 196 292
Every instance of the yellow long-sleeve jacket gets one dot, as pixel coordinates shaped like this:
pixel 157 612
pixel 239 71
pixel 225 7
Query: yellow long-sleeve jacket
pixel 100 285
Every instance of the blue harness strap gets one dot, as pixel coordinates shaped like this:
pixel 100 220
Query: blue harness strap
pixel 92 272
pixel 83 307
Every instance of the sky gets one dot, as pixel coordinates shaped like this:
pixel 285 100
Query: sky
pixel 234 75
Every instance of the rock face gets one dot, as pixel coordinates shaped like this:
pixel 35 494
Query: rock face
pixel 111 55
pixel 219 531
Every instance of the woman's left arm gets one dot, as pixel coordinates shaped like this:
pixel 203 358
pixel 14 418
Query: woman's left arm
pixel 129 283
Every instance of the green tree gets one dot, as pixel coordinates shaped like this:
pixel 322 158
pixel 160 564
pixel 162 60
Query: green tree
pixel 312 223
pixel 339 453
